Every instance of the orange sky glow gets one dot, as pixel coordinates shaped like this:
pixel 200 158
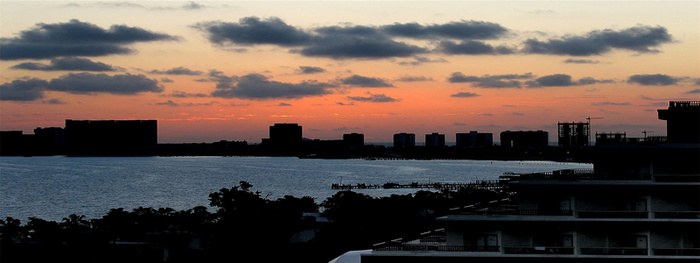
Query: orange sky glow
pixel 227 70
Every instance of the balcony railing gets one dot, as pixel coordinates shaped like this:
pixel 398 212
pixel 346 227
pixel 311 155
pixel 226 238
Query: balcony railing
pixel 546 212
pixel 539 250
pixel 678 214
pixel 677 252
pixel 613 214
pixel 410 247
pixel 614 251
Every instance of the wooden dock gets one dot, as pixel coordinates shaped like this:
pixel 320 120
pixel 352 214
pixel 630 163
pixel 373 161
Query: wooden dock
pixel 481 185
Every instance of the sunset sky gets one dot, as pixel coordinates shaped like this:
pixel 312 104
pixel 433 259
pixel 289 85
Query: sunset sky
pixel 227 70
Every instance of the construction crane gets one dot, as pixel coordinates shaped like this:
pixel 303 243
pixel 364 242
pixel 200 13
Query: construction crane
pixel 589 118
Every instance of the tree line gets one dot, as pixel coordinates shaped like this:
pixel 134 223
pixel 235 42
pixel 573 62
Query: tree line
pixel 245 227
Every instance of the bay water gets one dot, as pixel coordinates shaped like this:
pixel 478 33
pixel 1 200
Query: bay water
pixel 55 187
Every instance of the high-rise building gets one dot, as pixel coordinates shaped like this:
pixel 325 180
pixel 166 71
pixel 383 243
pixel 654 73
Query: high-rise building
pixel 354 139
pixel 682 124
pixel 639 204
pixel 111 137
pixel 403 140
pixel 474 139
pixel 285 134
pixel 574 134
pixel 435 140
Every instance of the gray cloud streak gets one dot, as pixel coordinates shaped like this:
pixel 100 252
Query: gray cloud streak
pixel 67 64
pixel 642 39
pixel 75 38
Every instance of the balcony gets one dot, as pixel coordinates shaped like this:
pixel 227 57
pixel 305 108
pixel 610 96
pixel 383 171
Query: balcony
pixel 613 214
pixel 617 251
pixel 539 250
pixel 678 214
pixel 677 252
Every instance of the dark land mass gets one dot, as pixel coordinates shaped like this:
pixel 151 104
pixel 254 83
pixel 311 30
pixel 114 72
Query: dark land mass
pixel 245 227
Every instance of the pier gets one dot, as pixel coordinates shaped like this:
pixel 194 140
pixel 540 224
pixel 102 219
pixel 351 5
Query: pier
pixel 480 185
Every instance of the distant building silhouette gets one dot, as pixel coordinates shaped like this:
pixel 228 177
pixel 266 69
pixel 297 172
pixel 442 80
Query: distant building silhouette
pixel 524 139
pixel 354 139
pixel 403 140
pixel 12 143
pixel 111 137
pixel 610 138
pixel 574 134
pixel 682 125
pixel 474 139
pixel 435 140
pixel 285 138
pixel 50 140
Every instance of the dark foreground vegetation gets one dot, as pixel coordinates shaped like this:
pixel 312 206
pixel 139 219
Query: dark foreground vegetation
pixel 245 227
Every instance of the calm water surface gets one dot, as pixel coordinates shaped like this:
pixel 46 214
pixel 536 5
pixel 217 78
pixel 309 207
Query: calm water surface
pixel 54 187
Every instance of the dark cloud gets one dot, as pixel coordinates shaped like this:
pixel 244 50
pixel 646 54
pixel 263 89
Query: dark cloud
pixel 642 39
pixel 518 80
pixel 563 80
pixel 695 91
pixel 166 80
pixel 177 71
pixel 189 104
pixel 464 95
pixel 310 70
pixel 556 80
pixel 471 47
pixel 455 30
pixel 653 79
pixel 53 102
pixel 282 104
pixel 168 103
pixel 373 98
pixel 253 30
pixel 590 80
pixel 23 90
pixel 353 41
pixel 414 78
pixel 256 86
pixel 580 61
pixel 182 94
pixel 367 82
pixel 67 64
pixel 417 60
pixel 491 81
pixel 75 38
pixel 357 42
pixel 86 83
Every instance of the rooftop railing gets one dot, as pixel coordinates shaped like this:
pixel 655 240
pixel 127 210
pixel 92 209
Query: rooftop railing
pixel 614 251
pixel 539 250
pixel 677 214
pixel 683 104
pixel 613 214
pixel 676 251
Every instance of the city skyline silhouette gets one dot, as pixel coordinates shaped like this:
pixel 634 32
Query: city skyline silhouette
pixel 210 71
